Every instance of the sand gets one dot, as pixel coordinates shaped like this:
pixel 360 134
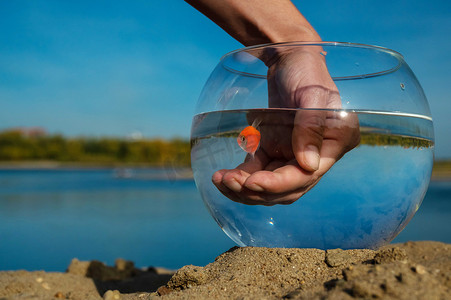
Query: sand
pixel 414 270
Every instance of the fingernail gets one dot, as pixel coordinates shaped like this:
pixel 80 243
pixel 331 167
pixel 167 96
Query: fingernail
pixel 255 187
pixel 311 157
pixel 216 178
pixel 233 185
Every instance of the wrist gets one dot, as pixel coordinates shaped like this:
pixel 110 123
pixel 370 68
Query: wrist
pixel 271 55
pixel 295 33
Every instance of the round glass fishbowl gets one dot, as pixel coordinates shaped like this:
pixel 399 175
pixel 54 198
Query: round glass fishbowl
pixel 312 145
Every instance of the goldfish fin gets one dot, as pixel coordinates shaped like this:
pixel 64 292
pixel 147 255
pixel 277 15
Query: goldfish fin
pixel 256 122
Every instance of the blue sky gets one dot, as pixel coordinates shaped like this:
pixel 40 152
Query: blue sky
pixel 116 67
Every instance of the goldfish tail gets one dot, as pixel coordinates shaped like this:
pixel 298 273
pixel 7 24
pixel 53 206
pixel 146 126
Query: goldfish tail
pixel 250 156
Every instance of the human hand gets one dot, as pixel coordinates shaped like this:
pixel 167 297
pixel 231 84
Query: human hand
pixel 298 147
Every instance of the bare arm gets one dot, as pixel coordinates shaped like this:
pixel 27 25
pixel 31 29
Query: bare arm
pixel 253 22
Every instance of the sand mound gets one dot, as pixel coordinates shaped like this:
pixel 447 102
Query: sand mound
pixel 414 270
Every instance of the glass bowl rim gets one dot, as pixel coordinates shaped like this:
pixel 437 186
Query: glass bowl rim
pixel 397 55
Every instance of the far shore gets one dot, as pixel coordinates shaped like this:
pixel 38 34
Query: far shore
pixel 440 172
pixel 49 164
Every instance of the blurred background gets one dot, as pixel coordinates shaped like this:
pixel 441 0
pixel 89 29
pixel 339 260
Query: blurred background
pixel 118 79
pixel 116 68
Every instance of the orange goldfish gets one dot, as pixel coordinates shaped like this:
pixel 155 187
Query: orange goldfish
pixel 249 139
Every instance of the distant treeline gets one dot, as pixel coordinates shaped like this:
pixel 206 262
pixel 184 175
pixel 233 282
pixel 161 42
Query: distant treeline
pixel 15 146
pixel 377 139
pixel 32 145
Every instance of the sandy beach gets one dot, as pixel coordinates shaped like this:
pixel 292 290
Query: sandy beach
pixel 413 270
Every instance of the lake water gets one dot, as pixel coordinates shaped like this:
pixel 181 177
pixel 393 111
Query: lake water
pixel 48 217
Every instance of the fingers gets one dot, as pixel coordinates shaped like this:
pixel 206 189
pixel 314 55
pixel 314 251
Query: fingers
pixel 310 122
pixel 307 138
pixel 234 179
pixel 251 197
pixel 283 185
pixel 287 178
pixel 343 127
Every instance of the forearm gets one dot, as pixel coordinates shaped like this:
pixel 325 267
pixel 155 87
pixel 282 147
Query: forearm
pixel 253 22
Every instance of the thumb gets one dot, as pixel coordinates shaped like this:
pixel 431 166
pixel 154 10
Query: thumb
pixel 307 138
